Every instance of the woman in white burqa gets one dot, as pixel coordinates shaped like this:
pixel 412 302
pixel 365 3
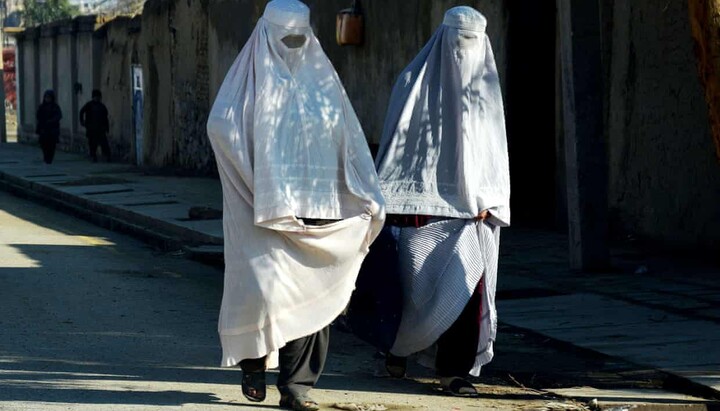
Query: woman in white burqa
pixel 443 169
pixel 301 203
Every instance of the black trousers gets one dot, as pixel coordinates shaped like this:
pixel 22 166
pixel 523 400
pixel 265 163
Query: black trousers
pixel 301 363
pixel 48 148
pixel 98 139
pixel 457 347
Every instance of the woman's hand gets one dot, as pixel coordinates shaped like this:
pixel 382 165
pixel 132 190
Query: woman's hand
pixel 483 215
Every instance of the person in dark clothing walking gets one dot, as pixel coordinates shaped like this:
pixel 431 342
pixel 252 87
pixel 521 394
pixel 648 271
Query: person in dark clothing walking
pixel 48 125
pixel 94 117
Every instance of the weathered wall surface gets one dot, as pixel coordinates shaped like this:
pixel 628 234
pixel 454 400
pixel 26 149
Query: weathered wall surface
pixel 64 88
pixel 84 68
pixel 226 37
pixel 27 82
pixel 47 57
pixel 155 40
pixel 119 52
pixel 664 178
pixel 190 85
pixel 186 48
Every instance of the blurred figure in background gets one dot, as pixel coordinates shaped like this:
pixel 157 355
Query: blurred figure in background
pixel 94 117
pixel 48 118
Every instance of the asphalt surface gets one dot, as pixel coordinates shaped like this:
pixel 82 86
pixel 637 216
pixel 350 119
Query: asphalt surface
pixel 91 319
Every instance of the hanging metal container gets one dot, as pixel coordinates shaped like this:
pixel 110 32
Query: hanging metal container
pixel 350 27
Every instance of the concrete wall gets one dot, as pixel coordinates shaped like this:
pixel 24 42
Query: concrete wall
pixel 190 85
pixel 20 88
pixel 48 58
pixel 664 181
pixel 119 52
pixel 28 81
pixel 84 44
pixel 186 48
pixel 226 37
pixel 181 58
pixel 664 177
pixel 157 71
pixel 65 85
pixel 85 69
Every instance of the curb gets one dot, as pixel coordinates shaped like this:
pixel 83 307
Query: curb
pixel 163 235
pixel 670 382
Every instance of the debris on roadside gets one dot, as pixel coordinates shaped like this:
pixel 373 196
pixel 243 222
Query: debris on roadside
pixel 558 406
pixel 359 407
pixel 621 408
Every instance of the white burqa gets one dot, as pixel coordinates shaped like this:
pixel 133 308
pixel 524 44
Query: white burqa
pixel 444 153
pixel 288 147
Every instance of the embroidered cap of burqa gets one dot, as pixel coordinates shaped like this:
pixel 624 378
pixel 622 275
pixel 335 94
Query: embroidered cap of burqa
pixel 289 147
pixel 443 150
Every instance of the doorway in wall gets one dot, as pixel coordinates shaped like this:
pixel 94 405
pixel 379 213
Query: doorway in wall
pixel 530 112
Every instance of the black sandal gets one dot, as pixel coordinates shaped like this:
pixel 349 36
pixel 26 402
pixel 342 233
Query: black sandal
pixel 396 366
pixel 253 385
pixel 301 402
pixel 458 387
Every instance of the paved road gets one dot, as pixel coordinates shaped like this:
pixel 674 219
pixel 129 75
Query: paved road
pixel 92 320
pixel 653 312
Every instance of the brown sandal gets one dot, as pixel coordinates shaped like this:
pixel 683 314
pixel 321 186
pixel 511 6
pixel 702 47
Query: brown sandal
pixel 458 387
pixel 396 366
pixel 301 402
pixel 253 385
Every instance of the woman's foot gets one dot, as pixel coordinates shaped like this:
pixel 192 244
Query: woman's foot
pixel 302 402
pixel 396 366
pixel 253 385
pixel 458 387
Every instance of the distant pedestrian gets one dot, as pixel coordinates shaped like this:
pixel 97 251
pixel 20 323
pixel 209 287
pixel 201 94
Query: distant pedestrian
pixel 94 117
pixel 443 169
pixel 48 118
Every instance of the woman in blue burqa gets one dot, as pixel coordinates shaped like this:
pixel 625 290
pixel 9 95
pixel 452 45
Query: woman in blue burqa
pixel 443 169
